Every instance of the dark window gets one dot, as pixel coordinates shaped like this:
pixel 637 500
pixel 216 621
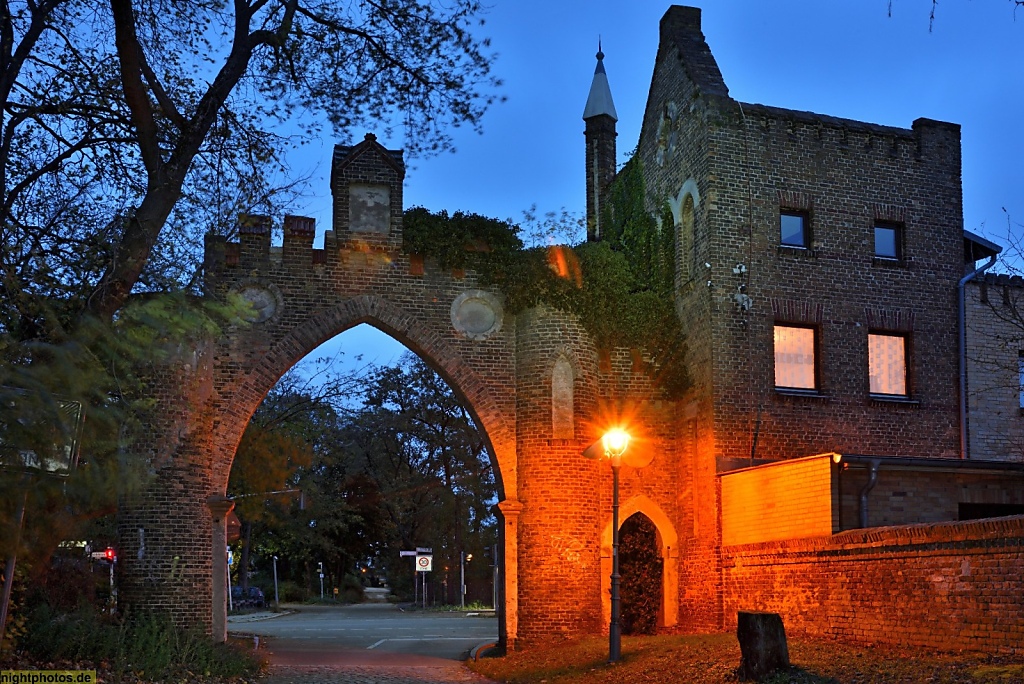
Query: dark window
pixel 887 241
pixel 973 511
pixel 793 226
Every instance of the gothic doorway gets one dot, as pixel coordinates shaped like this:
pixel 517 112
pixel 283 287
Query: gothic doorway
pixel 640 565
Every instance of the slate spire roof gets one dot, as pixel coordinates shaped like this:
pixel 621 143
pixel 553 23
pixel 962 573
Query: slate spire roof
pixel 600 99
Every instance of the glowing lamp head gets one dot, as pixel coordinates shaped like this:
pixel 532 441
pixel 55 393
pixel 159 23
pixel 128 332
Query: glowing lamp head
pixel 615 442
pixel 109 554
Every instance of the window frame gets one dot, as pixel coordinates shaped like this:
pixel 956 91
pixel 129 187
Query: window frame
pixel 906 396
pixel 898 230
pixel 1020 379
pixel 815 351
pixel 805 217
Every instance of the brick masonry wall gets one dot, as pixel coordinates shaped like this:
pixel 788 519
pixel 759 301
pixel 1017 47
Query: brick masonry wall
pixel 995 340
pixel 555 504
pixel 748 161
pixel 902 496
pixel 165 530
pixel 780 501
pixel 672 154
pixel 742 163
pixel 840 172
pixel 890 584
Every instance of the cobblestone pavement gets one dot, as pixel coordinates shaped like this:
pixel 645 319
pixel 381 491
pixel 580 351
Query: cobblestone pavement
pixel 441 672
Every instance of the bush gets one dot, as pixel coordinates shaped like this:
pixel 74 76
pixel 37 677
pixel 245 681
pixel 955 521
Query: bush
pixel 351 590
pixel 289 592
pixel 149 645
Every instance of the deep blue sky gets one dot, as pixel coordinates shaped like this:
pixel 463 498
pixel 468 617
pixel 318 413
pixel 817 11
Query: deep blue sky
pixel 847 59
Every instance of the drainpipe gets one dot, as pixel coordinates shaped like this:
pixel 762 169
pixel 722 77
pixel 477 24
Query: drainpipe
pixel 962 325
pixel 872 480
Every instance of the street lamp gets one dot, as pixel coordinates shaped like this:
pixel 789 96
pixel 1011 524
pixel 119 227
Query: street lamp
pixel 615 442
pixel 611 447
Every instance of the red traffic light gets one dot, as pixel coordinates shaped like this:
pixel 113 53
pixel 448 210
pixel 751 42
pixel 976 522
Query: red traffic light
pixel 110 555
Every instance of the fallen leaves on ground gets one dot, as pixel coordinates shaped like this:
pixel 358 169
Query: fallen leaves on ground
pixel 713 659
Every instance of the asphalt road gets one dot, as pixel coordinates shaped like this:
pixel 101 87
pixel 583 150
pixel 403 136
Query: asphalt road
pixel 368 634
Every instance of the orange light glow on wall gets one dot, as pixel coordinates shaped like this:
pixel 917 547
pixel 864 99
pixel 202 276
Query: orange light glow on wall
pixel 562 260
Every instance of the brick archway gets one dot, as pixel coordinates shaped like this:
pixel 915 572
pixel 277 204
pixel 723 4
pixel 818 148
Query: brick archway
pixel 172 536
pixel 250 389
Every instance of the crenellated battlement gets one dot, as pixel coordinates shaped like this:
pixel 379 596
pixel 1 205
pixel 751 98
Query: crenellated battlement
pixel 929 141
pixel 254 255
pixel 366 186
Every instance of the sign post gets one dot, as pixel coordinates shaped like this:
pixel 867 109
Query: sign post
pixel 424 565
pixel 420 551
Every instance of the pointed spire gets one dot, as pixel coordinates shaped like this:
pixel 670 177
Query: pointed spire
pixel 600 99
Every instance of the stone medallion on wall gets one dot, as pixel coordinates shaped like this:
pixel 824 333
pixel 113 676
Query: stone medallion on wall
pixel 265 298
pixel 476 314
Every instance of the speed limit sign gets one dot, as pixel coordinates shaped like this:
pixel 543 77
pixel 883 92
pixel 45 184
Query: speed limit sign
pixel 423 563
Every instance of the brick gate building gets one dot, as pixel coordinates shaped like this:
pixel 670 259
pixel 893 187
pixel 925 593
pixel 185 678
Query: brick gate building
pixel 817 467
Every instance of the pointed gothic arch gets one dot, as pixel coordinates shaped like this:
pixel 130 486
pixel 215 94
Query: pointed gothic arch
pixel 668 548
pixel 405 327
pixel 684 209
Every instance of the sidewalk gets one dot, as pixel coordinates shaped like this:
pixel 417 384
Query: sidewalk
pixel 241 618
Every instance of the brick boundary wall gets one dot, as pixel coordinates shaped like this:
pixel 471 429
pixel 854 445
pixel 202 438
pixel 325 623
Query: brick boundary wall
pixel 946 586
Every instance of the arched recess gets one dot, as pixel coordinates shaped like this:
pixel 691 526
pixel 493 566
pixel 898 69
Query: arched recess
pixel 684 208
pixel 244 395
pixel 564 371
pixel 667 546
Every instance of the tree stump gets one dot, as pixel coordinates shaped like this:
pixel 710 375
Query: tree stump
pixel 762 644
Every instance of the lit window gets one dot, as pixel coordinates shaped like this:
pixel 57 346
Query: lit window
pixel 887 241
pixel 794 358
pixel 793 228
pixel 887 364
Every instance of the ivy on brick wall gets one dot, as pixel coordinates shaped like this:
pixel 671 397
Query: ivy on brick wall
pixel 621 287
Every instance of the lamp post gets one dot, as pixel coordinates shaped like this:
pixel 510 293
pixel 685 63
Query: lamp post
pixel 463 559
pixel 277 602
pixel 615 442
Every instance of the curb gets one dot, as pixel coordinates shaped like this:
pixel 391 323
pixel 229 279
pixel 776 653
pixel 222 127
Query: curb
pixel 479 649
pixel 256 617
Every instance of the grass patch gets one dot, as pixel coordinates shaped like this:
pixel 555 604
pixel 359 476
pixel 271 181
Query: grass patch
pixel 713 659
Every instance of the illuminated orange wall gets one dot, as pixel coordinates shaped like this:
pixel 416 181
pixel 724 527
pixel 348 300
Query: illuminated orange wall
pixel 785 500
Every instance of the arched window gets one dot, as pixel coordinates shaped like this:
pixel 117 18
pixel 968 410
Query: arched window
pixel 684 207
pixel 687 252
pixel 562 422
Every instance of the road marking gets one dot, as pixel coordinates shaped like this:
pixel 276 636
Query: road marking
pixel 463 638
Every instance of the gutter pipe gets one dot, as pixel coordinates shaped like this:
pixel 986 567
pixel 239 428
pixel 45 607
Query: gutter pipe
pixel 962 325
pixel 865 490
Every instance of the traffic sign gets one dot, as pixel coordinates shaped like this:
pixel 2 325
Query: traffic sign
pixel 425 550
pixel 402 554
pixel 423 563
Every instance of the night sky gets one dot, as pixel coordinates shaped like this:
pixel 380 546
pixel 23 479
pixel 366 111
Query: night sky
pixel 844 59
